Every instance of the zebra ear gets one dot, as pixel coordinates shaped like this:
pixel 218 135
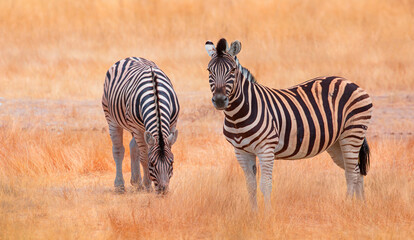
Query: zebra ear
pixel 149 139
pixel 235 48
pixel 173 137
pixel 211 49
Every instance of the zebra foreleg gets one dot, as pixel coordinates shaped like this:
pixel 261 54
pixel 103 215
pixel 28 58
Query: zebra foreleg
pixel 143 159
pixel 146 179
pixel 266 160
pixel 136 180
pixel 247 162
pixel 118 151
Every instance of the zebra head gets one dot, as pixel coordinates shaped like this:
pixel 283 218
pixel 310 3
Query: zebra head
pixel 223 71
pixel 160 159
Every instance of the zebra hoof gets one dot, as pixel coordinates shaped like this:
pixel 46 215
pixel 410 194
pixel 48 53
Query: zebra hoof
pixel 138 188
pixel 148 189
pixel 120 189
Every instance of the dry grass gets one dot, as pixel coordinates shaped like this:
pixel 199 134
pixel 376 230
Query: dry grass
pixel 59 183
pixel 61 49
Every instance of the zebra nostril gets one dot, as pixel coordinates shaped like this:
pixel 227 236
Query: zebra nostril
pixel 162 189
pixel 213 100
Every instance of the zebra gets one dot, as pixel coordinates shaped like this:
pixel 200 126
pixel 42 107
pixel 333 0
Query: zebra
pixel 325 113
pixel 139 97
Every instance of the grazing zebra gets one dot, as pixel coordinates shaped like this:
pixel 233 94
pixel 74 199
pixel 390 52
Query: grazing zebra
pixel 139 98
pixel 325 113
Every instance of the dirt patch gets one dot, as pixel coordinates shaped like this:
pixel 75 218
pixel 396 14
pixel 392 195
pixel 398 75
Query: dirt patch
pixel 393 114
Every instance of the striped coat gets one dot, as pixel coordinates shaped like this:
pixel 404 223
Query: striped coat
pixel 139 98
pixel 304 120
pixel 325 113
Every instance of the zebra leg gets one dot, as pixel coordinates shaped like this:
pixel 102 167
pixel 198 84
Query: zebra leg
pixel 336 154
pixel 354 180
pixel 266 160
pixel 118 151
pixel 247 162
pixel 146 179
pixel 136 180
pixel 359 190
pixel 143 159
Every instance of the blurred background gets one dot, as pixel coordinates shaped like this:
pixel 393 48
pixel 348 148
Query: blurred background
pixel 62 49
pixel 56 165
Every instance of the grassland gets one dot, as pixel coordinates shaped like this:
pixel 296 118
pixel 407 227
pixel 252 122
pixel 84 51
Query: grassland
pixel 60 185
pixel 59 47
pixel 57 182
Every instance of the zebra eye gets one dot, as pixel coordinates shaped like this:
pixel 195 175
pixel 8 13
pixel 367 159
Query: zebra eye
pixel 233 70
pixel 209 71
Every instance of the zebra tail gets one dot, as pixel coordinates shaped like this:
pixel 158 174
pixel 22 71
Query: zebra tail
pixel 364 158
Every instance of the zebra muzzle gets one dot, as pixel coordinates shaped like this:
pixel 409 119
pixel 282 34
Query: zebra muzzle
pixel 162 189
pixel 220 101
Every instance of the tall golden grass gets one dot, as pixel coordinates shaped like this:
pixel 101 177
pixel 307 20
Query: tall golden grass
pixel 61 49
pixel 57 183
pixel 60 185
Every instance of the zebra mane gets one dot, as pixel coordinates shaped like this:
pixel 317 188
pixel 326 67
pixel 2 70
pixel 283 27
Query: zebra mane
pixel 161 142
pixel 221 47
pixel 245 72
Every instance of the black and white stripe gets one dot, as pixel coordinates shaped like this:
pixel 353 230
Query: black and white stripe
pixel 325 113
pixel 139 98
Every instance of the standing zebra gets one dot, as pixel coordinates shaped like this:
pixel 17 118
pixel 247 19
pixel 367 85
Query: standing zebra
pixel 325 113
pixel 139 98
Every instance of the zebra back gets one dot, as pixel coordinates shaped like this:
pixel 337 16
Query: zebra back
pixel 138 96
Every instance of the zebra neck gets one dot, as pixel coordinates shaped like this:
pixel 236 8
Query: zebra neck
pixel 245 72
pixel 158 131
pixel 239 101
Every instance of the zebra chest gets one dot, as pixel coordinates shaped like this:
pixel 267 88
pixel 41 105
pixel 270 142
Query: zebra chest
pixel 250 135
pixel 233 137
pixel 237 137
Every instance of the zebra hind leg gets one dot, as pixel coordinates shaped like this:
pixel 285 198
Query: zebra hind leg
pixel 118 151
pixel 354 170
pixel 363 162
pixel 136 180
pixel 336 154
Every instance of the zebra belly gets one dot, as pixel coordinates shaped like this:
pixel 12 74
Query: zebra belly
pixel 302 152
pixel 300 155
